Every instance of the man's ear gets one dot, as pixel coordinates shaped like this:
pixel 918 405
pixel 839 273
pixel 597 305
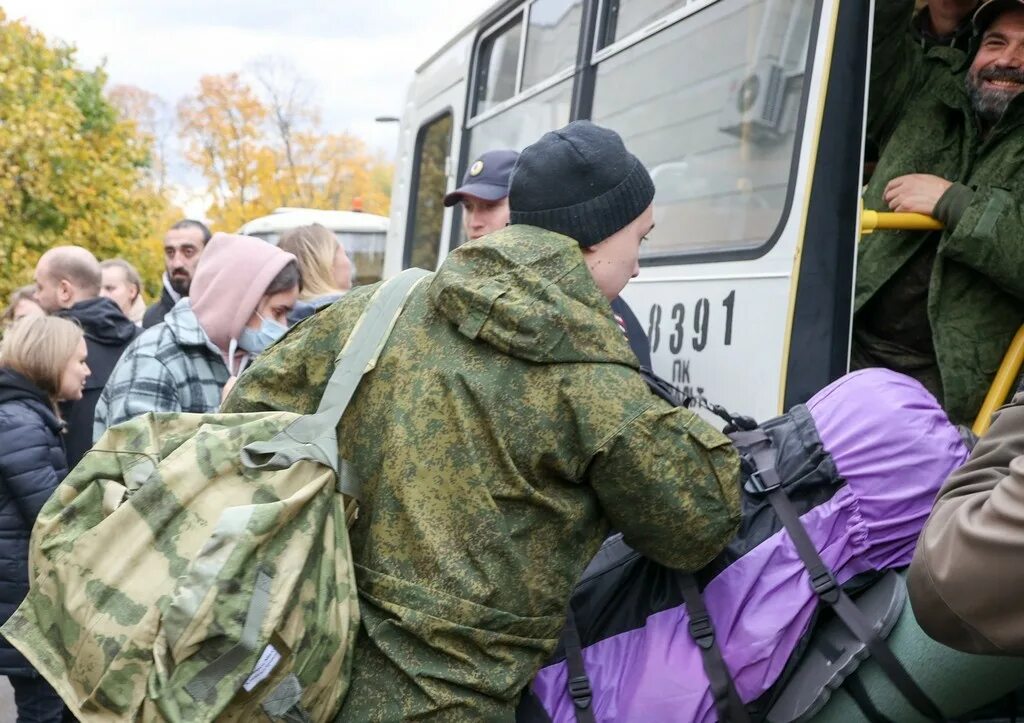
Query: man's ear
pixel 65 293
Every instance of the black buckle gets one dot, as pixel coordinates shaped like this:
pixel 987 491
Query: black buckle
pixel 579 691
pixel 755 484
pixel 702 632
pixel 825 586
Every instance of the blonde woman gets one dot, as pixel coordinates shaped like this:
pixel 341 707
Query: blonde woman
pixel 323 264
pixel 42 362
pixel 123 285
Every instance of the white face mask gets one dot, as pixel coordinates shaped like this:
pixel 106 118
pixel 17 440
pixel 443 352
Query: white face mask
pixel 256 340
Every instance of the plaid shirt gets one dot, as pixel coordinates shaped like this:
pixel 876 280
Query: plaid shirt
pixel 170 367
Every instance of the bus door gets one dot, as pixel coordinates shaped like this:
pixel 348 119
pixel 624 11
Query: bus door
pixel 427 156
pixel 750 116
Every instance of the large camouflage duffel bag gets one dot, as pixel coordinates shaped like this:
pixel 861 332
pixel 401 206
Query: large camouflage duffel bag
pixel 197 567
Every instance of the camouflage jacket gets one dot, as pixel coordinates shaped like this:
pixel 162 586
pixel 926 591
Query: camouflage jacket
pixel 921 118
pixel 503 430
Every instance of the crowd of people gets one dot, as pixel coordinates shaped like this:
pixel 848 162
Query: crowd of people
pixel 515 377
pixel 81 352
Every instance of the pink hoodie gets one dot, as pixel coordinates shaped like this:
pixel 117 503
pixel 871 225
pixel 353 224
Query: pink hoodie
pixel 233 275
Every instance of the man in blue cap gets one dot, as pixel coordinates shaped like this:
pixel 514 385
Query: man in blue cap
pixel 484 193
pixel 485 209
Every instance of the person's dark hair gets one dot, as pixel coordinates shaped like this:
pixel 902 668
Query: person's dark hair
pixel 287 278
pixel 192 223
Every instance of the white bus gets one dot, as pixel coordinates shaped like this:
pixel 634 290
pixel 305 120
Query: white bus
pixel 362 235
pixel 750 115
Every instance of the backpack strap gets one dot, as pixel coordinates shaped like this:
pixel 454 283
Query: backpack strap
pixel 728 703
pixel 577 681
pixel 764 480
pixel 314 436
pixel 204 683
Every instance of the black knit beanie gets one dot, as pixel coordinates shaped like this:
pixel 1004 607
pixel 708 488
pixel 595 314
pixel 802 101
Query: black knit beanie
pixel 579 181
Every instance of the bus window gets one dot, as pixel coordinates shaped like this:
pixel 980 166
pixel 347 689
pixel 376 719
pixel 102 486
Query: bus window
pixel 714 121
pixel 524 123
pixel 624 17
pixel 366 250
pixel 498 65
pixel 551 39
pixel 518 127
pixel 424 236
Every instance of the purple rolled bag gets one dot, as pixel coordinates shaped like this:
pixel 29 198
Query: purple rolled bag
pixel 893 446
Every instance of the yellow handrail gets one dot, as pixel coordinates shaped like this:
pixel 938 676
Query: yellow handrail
pixel 1003 383
pixel 1013 360
pixel 871 220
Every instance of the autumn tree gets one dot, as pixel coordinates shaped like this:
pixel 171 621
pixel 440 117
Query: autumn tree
pixel 222 127
pixel 291 115
pixel 154 122
pixel 263 147
pixel 72 170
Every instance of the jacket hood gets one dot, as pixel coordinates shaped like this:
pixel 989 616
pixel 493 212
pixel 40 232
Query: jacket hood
pixel 183 325
pixel 528 293
pixel 15 387
pixel 102 321
pixel 233 274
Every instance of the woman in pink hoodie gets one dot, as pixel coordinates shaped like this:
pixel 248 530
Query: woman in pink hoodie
pixel 238 305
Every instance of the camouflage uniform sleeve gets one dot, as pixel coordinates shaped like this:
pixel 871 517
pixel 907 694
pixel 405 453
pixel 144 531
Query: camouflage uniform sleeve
pixel 896 65
pixel 670 483
pixel 986 237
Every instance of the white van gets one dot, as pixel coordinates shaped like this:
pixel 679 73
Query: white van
pixel 362 234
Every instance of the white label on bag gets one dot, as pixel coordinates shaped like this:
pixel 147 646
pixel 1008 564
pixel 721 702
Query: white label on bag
pixel 264 667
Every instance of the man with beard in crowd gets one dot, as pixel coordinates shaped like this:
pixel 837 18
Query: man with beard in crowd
pixel 942 306
pixel 183 245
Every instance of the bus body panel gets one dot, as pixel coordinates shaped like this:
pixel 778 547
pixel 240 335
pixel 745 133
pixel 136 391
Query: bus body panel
pixel 720 324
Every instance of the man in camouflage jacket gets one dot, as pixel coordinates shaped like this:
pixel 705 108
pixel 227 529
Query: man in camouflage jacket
pixel 943 306
pixel 503 432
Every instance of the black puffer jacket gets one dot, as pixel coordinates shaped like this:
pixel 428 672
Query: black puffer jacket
pixel 107 332
pixel 32 464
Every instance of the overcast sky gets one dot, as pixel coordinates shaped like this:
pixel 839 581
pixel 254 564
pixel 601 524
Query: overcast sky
pixel 360 56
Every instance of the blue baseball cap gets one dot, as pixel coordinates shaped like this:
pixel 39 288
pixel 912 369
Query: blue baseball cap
pixel 487 177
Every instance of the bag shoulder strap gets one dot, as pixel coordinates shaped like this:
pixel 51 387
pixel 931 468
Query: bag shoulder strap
pixel 764 480
pixel 577 682
pixel 314 436
pixel 728 703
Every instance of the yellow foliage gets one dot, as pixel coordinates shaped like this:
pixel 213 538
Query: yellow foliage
pixel 251 170
pixel 72 171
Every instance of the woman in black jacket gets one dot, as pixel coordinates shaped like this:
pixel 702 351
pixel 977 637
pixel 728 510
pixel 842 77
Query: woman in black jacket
pixel 42 362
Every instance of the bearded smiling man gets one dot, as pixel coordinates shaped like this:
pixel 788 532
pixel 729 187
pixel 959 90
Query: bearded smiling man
pixel 942 306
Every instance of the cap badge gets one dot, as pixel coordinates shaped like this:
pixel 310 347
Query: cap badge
pixel 476 168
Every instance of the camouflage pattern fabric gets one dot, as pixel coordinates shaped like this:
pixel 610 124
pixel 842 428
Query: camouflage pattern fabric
pixel 144 573
pixel 503 430
pixel 920 116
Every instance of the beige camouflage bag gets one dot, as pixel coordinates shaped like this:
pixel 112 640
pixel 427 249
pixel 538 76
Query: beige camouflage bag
pixel 197 567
